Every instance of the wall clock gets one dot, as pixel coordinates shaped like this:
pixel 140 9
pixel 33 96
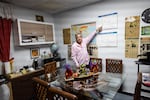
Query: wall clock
pixel 146 15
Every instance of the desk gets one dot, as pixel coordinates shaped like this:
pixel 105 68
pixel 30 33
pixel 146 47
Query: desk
pixel 141 63
pixel 21 86
pixel 104 87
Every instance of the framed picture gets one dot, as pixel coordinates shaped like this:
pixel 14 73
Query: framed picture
pixel 145 30
pixel 69 52
pixel 35 52
pixel 39 18
pixel 66 36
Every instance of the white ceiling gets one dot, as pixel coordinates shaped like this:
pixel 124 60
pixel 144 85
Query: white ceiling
pixel 51 6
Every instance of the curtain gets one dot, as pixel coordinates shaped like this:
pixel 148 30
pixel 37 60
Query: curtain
pixel 5 30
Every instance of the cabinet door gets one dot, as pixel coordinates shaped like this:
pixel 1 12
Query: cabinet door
pixel 22 87
pixel 35 33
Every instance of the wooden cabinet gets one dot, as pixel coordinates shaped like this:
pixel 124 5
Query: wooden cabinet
pixel 21 87
pixel 34 32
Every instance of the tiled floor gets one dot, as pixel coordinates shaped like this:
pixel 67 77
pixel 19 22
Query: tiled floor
pixel 122 96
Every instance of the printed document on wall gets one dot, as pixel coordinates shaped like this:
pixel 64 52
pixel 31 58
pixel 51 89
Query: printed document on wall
pixel 131 48
pixel 108 21
pixel 107 39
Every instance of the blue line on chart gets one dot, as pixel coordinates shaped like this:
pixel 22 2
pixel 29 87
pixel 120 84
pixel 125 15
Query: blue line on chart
pixel 107 33
pixel 108 14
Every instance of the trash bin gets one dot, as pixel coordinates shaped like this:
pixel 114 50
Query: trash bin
pixel 4 89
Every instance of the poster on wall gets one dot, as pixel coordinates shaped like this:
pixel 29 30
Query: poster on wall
pixel 132 27
pixel 93 51
pixel 107 39
pixel 108 21
pixel 145 31
pixel 131 48
pixel 144 45
pixel 85 29
pixel 66 36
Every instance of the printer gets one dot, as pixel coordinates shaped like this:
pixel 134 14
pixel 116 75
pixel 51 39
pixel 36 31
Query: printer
pixel 145 57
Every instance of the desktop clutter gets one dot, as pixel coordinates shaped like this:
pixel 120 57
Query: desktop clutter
pixel 23 70
pixel 86 77
pixel 37 63
pixel 84 70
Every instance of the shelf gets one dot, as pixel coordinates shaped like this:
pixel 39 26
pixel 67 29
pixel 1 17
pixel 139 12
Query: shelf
pixel 38 32
pixel 35 43
pixel 30 35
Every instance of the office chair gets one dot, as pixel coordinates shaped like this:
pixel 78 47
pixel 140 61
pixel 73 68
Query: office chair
pixel 50 69
pixel 40 89
pixel 58 94
pixel 43 91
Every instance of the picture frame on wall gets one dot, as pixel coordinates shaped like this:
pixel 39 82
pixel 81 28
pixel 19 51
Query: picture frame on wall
pixel 67 36
pixel 34 52
pixel 39 18
pixel 69 52
pixel 145 31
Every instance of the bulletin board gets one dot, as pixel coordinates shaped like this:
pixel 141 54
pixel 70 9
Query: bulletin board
pixel 132 27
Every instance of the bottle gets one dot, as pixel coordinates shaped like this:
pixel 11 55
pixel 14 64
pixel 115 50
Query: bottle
pixel 35 64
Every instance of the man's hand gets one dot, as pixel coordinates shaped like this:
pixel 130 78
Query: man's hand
pixel 99 29
pixel 78 70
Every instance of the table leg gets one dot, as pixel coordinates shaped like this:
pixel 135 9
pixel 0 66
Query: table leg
pixel 138 68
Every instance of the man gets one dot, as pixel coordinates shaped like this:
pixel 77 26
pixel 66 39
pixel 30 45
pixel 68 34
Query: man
pixel 79 51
